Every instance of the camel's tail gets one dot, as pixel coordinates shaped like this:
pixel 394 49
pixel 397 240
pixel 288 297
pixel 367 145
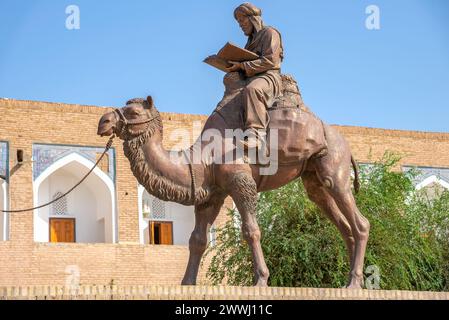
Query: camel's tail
pixel 356 175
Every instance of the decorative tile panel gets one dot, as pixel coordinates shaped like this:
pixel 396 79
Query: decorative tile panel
pixel 44 155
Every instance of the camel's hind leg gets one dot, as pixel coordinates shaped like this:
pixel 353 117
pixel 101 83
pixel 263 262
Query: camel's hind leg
pixel 334 173
pixel 360 228
pixel 205 216
pixel 321 197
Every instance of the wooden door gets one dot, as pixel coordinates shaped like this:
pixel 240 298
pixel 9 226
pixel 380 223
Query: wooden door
pixel 62 230
pixel 161 232
pixel 166 233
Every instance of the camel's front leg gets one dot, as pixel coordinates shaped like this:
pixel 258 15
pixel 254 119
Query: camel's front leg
pixel 244 194
pixel 205 216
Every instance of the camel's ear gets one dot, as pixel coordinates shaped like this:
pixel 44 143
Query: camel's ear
pixel 150 102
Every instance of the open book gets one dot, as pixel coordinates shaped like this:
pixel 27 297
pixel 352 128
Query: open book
pixel 230 52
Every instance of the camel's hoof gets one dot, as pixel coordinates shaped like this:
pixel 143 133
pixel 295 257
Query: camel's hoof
pixel 355 284
pixel 261 283
pixel 188 283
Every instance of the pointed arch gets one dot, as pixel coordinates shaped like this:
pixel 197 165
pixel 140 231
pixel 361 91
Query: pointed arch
pixel 432 179
pixel 80 161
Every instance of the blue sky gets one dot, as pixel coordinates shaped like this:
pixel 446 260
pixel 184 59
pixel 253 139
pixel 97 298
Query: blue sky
pixel 396 77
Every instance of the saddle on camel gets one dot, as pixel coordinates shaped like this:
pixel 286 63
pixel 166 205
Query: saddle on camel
pixel 300 134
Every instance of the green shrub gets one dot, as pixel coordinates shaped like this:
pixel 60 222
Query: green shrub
pixel 408 239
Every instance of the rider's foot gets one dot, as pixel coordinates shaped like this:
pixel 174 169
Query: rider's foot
pixel 254 145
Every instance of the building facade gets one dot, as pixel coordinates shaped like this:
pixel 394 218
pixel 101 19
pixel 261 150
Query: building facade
pixel 109 230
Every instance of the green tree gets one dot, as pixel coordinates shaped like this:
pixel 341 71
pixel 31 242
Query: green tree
pixel 408 239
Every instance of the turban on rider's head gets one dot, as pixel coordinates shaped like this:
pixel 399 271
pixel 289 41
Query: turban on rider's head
pixel 248 9
pixel 252 12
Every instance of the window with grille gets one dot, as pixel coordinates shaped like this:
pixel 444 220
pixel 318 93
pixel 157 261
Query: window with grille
pixel 158 207
pixel 59 207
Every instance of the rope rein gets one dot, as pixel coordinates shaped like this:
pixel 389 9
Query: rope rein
pixel 106 149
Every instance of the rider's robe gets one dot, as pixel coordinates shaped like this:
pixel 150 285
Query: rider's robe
pixel 264 76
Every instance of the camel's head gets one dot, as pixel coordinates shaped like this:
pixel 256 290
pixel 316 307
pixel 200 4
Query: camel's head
pixel 137 117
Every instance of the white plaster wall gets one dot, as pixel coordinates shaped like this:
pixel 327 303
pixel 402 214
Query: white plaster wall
pixel 183 218
pixel 2 214
pixel 90 204
pixel 143 225
pixel 4 228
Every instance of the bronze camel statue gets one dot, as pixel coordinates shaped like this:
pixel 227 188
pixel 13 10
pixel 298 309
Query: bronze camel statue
pixel 326 178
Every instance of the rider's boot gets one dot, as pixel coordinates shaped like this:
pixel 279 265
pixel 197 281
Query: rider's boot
pixel 255 145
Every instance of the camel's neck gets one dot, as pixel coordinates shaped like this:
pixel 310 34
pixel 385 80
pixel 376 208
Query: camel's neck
pixel 153 168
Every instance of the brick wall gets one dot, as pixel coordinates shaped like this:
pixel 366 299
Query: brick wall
pixel 416 148
pixel 121 264
pixel 23 262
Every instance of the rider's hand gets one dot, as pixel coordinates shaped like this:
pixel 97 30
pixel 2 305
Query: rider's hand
pixel 236 66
